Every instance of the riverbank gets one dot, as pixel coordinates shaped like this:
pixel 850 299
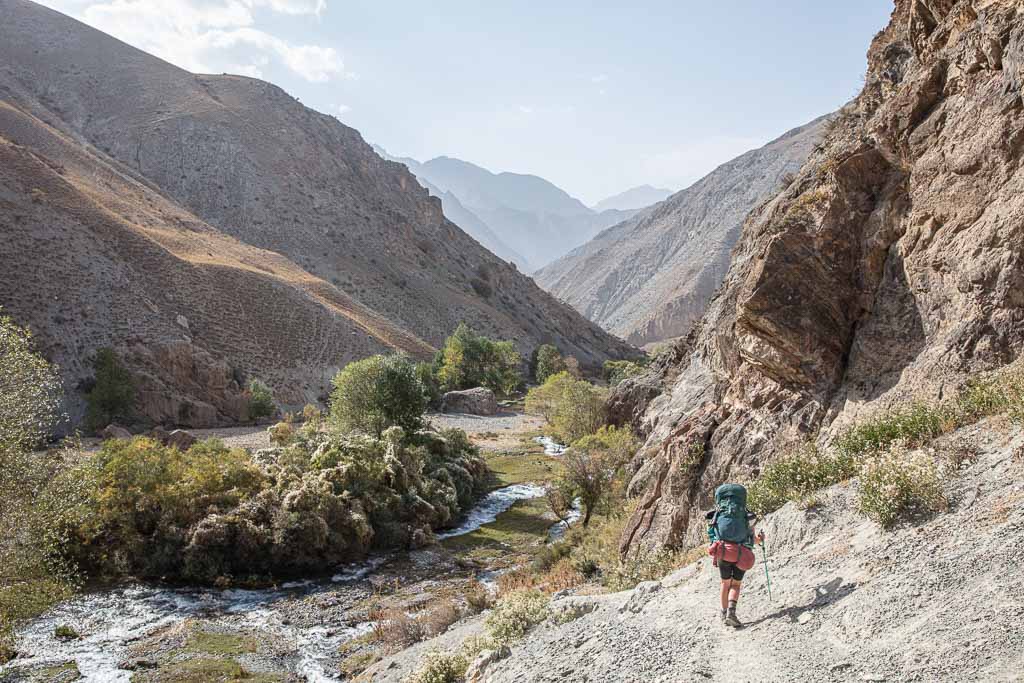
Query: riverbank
pixel 317 630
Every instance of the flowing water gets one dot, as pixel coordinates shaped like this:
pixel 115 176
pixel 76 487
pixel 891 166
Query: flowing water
pixel 110 621
pixel 551 447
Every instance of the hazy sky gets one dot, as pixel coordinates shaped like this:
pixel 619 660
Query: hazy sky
pixel 595 96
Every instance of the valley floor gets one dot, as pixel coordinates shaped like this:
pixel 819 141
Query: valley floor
pixel 938 600
pixel 316 630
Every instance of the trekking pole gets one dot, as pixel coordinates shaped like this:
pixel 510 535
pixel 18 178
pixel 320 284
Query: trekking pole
pixel 768 580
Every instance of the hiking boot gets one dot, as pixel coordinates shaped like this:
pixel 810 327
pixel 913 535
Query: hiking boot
pixel 732 620
pixel 724 613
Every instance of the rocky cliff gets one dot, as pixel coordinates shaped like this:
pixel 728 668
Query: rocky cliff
pixel 891 268
pixel 650 278
pixel 212 228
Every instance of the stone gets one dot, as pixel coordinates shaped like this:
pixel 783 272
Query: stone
pixel 478 401
pixel 478 667
pixel 115 431
pixel 564 610
pixel 804 618
pixel 160 434
pixel 181 439
pixel 182 321
pixel 642 594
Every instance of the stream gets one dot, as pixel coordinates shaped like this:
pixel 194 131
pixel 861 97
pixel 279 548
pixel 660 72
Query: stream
pixel 110 621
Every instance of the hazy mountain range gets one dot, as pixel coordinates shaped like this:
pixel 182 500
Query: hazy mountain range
pixel 522 218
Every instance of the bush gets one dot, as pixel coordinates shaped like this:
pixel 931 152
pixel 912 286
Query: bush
pixel 469 360
pixel 515 614
pixel 615 371
pixel 900 483
pixel 261 401
pixel 30 390
pixel 574 408
pixel 547 361
pixel 376 393
pixel 112 394
pixel 915 425
pixel 440 667
pixel 427 376
pixel 797 475
pixel 281 434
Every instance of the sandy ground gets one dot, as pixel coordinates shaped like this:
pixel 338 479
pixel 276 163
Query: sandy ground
pixel 494 432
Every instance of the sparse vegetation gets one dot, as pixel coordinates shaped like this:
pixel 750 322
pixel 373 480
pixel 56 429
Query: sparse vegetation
pixel 261 401
pixel 470 360
pixel 376 393
pixel 616 371
pixel 899 483
pixel 797 475
pixel 515 614
pixel 441 667
pixel 112 393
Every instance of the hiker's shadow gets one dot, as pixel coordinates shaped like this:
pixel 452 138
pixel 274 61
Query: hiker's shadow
pixel 824 595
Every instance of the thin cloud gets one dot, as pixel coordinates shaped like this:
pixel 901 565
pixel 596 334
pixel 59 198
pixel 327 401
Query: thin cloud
pixel 209 36
pixel 600 78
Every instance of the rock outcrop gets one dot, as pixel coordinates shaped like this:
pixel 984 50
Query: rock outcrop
pixel 650 278
pixel 212 229
pixel 891 268
pixel 478 401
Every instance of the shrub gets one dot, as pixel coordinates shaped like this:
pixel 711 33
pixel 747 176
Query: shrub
pixel 281 434
pixel 397 630
pixel 440 667
pixel 261 401
pixel 899 482
pixel 574 408
pixel 615 371
pixel 797 475
pixel 376 393
pixel 427 376
pixel 478 598
pixel 31 579
pixel 311 414
pixel 113 391
pixel 469 360
pixel 915 425
pixel 547 361
pixel 515 614
pixel 30 390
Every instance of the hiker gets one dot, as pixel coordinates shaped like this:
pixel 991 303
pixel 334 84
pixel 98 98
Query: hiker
pixel 732 536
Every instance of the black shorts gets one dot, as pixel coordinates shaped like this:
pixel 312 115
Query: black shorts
pixel 729 571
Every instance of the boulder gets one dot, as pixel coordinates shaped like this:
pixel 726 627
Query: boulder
pixel 159 434
pixel 478 667
pixel 479 401
pixel 115 431
pixel 181 439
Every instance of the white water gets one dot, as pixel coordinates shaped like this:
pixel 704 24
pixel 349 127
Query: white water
pixel 493 504
pixel 551 447
pixel 110 621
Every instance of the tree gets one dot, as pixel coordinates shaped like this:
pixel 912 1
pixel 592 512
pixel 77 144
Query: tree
pixel 376 393
pixel 113 392
pixel 573 407
pixel 592 465
pixel 470 360
pixel 261 400
pixel 547 361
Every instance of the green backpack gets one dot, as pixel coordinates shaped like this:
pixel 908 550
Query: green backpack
pixel 729 518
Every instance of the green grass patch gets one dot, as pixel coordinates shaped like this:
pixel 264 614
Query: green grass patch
pixel 508 469
pixel 520 530
pixel 220 644
pixel 204 670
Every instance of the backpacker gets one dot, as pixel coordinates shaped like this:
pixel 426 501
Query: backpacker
pixel 729 520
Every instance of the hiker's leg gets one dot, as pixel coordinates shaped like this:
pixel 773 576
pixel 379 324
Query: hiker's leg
pixel 734 592
pixel 725 593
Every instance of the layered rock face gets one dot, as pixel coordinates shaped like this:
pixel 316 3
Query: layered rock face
pixel 650 278
pixel 213 229
pixel 891 268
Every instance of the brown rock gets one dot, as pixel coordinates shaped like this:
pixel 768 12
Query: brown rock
pixel 479 401
pixel 159 434
pixel 115 431
pixel 181 439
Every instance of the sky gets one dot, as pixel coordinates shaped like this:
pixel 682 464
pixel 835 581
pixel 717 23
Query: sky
pixel 595 96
